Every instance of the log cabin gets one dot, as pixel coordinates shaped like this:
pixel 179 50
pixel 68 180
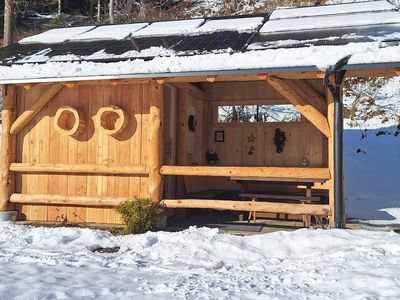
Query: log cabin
pixel 236 113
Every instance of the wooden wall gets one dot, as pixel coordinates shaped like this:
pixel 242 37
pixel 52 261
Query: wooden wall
pixel 39 142
pixel 303 139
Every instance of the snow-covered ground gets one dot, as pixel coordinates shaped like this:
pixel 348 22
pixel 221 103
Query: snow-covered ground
pixel 372 152
pixel 57 263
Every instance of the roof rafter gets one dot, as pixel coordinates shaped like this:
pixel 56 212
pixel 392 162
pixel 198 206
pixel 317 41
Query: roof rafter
pixel 302 102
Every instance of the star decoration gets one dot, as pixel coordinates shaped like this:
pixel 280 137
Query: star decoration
pixel 251 138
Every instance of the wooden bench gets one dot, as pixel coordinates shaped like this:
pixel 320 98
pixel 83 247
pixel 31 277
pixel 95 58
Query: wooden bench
pixel 303 199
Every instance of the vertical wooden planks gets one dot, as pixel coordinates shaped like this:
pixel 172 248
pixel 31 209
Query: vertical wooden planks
pixel 56 183
pixel 135 95
pixel 144 145
pixel 37 212
pixel 92 107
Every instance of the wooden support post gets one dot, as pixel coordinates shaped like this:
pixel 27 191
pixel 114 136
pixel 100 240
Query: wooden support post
pixel 331 164
pixel 7 148
pixel 155 154
pixel 30 113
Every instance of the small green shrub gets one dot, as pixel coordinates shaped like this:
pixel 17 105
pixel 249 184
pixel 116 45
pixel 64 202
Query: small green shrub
pixel 140 215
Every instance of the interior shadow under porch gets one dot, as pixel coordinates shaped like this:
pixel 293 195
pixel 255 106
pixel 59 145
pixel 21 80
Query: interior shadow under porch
pixel 264 144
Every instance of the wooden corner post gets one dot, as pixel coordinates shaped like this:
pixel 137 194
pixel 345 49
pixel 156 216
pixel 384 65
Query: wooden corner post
pixel 8 145
pixel 331 146
pixel 155 145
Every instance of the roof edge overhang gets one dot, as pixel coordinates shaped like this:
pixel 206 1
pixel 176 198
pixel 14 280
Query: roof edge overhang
pixel 299 72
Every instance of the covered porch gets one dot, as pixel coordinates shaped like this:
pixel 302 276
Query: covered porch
pixel 280 162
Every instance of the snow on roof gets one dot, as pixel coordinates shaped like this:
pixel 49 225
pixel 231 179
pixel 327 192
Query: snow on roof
pixel 199 26
pixel 58 35
pixel 317 57
pixel 347 8
pixel 169 28
pixel 320 22
pixel 178 49
pixel 117 32
pixel 234 24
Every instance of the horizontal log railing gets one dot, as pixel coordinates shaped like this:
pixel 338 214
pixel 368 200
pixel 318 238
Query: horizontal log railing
pixel 79 168
pixel 66 200
pixel 238 205
pixel 277 173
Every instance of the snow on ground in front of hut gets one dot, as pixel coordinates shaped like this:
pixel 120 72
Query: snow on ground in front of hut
pixel 198 263
pixel 372 153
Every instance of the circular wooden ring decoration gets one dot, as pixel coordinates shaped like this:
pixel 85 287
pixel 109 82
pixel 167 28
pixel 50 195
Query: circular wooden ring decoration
pixel 111 120
pixel 69 121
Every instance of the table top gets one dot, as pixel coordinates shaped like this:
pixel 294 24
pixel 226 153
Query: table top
pixel 279 179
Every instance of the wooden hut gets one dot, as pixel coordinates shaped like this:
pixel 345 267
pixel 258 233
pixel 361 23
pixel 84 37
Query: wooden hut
pixel 93 116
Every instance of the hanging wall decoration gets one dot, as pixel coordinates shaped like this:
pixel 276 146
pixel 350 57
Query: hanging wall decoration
pixel 219 136
pixel 251 138
pixel 279 140
pixel 192 123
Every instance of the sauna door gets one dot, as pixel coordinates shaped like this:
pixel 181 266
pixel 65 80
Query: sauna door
pixel 169 137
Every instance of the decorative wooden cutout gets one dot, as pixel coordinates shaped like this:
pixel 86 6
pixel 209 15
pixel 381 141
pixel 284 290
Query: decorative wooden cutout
pixel 69 121
pixel 251 138
pixel 111 120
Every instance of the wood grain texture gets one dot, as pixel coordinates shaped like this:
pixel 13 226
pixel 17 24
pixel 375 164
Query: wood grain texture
pixel 155 145
pixel 28 114
pixel 79 168
pixel 8 150
pixel 298 173
pixel 238 205
pixel 301 100
pixel 89 165
pixel 67 200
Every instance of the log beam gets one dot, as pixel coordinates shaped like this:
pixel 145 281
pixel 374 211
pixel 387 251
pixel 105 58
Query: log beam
pixel 79 168
pixel 272 173
pixel 155 142
pixel 66 200
pixel 301 101
pixel 30 113
pixel 310 95
pixel 8 145
pixel 256 206
pixel 191 89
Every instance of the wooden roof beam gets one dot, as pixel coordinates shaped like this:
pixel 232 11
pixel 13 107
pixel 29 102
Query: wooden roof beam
pixel 301 101
pixel 313 97
pixel 191 89
pixel 31 112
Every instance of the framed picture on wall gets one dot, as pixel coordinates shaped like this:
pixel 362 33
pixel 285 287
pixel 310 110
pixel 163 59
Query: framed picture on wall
pixel 219 136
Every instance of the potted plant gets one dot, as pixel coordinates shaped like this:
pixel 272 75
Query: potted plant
pixel 212 157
